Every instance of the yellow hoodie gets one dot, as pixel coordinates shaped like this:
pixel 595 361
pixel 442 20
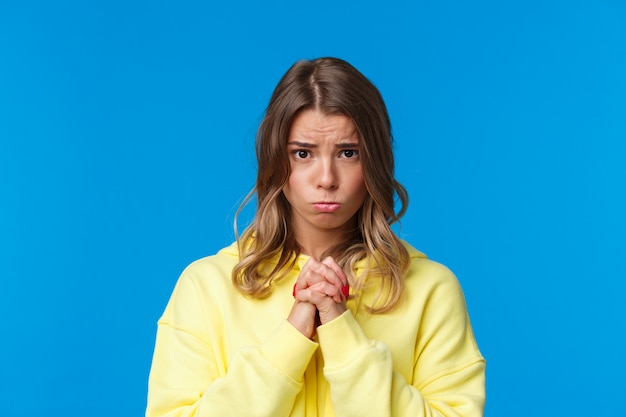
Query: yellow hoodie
pixel 221 354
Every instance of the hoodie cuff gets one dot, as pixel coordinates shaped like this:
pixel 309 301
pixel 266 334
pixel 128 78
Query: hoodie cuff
pixel 289 351
pixel 340 339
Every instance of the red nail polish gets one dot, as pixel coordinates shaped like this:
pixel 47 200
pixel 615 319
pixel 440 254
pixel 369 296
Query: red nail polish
pixel 294 291
pixel 345 290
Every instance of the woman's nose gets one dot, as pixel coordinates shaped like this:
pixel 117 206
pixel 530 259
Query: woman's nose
pixel 327 175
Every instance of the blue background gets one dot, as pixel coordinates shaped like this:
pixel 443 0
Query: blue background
pixel 126 144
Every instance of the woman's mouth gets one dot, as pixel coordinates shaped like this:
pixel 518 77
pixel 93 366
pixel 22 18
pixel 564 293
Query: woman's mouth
pixel 326 207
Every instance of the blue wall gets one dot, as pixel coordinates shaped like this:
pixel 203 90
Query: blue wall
pixel 126 144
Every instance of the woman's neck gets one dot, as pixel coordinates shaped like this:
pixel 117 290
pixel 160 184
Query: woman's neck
pixel 316 242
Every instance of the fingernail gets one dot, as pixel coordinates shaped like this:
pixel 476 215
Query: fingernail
pixel 345 290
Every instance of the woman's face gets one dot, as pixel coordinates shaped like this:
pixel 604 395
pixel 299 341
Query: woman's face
pixel 326 187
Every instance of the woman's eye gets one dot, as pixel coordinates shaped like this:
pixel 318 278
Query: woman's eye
pixel 350 153
pixel 301 154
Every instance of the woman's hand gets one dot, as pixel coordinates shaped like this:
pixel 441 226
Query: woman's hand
pixel 323 285
pixel 326 271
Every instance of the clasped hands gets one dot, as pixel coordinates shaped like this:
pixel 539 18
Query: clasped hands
pixel 321 289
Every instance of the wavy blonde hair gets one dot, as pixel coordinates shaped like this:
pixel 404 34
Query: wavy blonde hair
pixel 332 86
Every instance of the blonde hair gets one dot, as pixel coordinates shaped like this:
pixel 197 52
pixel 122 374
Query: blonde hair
pixel 332 86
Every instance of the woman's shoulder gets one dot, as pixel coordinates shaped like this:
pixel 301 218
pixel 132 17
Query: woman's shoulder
pixel 213 270
pixel 423 271
pixel 226 257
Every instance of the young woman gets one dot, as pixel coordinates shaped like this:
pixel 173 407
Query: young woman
pixel 319 309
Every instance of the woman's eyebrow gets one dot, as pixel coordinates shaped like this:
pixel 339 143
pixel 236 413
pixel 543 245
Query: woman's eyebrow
pixel 344 145
pixel 347 145
pixel 301 144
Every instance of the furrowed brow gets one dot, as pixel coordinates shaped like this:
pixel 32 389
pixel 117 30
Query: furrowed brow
pixel 301 144
pixel 350 145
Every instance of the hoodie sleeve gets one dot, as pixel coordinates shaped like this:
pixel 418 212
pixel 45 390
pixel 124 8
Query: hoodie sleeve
pixel 447 375
pixel 188 378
